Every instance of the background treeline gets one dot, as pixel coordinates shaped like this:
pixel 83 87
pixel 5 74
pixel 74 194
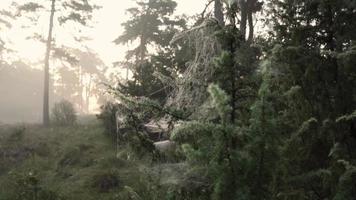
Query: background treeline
pixel 75 72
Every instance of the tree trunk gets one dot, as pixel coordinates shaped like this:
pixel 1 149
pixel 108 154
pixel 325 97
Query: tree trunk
pixel 218 12
pixel 88 94
pixel 46 120
pixel 81 85
pixel 243 22
pixel 142 48
pixel 127 74
pixel 250 24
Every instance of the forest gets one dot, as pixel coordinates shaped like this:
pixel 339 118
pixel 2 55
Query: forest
pixel 177 100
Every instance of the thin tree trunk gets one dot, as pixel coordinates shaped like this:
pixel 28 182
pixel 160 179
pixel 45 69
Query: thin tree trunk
pixel 218 12
pixel 250 24
pixel 233 76
pixel 88 94
pixel 81 102
pixel 46 120
pixel 143 42
pixel 127 74
pixel 243 22
pixel 142 49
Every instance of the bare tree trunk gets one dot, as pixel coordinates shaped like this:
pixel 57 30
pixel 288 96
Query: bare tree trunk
pixel 46 120
pixel 88 94
pixel 127 74
pixel 250 25
pixel 142 48
pixel 143 42
pixel 243 22
pixel 81 102
pixel 218 12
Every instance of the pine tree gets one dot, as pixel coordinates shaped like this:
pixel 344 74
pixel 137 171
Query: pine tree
pixel 6 18
pixel 152 25
pixel 215 150
pixel 308 74
pixel 79 11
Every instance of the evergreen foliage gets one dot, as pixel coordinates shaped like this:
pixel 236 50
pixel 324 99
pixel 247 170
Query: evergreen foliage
pixel 251 117
pixel 215 149
pixel 152 25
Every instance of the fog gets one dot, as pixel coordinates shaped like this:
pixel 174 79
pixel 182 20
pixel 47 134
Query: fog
pixel 81 60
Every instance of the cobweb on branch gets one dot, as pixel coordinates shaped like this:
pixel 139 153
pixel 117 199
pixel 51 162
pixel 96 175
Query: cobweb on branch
pixel 191 88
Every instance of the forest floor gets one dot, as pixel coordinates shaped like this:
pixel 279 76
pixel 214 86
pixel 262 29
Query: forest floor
pixel 75 163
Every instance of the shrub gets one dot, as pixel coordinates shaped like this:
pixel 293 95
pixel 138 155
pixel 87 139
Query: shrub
pixel 108 117
pixel 17 134
pixel 74 157
pixel 105 181
pixel 27 186
pixel 63 113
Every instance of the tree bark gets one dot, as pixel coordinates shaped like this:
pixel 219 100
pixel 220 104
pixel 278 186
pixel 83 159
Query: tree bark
pixel 250 24
pixel 218 12
pixel 46 120
pixel 243 19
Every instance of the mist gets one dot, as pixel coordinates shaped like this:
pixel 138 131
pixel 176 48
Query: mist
pixel 82 59
pixel 177 100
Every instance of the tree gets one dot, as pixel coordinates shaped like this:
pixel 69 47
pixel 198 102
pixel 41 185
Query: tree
pixel 91 71
pixel 144 25
pixel 214 149
pixel 6 17
pixel 277 124
pixel 46 68
pixel 79 12
pixel 215 141
pixel 152 26
pixel 68 86
pixel 218 12
pixel 312 96
pixel 224 56
pixel 80 76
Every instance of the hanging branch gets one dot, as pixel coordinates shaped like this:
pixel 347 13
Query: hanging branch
pixel 202 15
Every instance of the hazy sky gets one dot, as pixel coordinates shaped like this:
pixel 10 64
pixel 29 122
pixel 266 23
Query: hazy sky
pixel 113 14
pixel 105 30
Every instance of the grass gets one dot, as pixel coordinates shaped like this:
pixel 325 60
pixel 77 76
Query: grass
pixel 77 162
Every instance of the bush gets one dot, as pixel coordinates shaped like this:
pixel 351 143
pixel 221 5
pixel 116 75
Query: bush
pixel 105 181
pixel 108 117
pixel 27 186
pixel 74 157
pixel 17 134
pixel 63 113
